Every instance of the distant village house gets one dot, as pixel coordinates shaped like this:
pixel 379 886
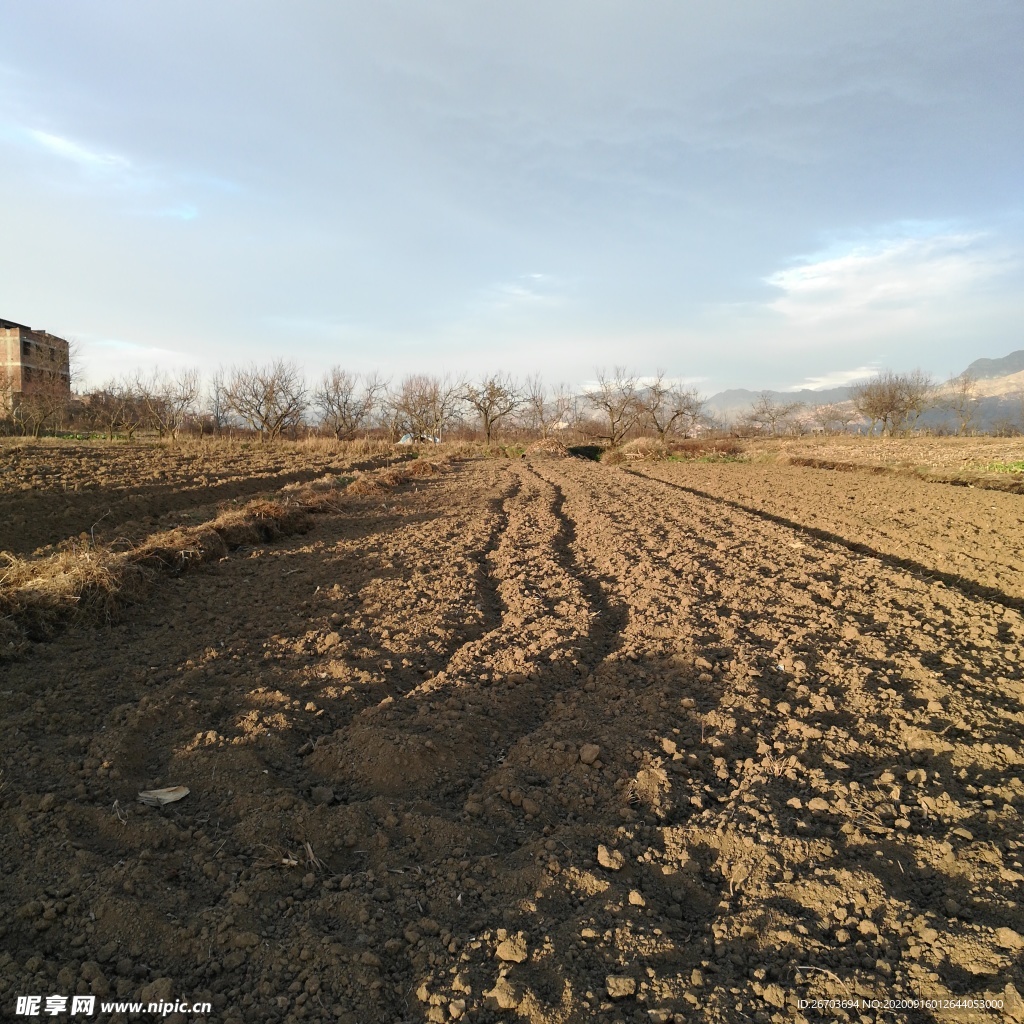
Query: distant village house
pixel 32 364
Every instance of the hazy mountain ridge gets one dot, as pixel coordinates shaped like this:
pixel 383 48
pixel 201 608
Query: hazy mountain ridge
pixel 742 398
pixel 1000 391
pixel 986 369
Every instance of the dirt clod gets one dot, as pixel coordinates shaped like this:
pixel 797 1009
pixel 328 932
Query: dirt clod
pixel 513 949
pixel 613 860
pixel 322 795
pixel 620 986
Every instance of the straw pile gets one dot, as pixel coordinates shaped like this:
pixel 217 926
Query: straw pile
pixel 549 448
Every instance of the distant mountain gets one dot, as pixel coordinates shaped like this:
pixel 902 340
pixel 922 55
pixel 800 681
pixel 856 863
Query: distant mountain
pixel 741 399
pixel 1001 387
pixel 986 369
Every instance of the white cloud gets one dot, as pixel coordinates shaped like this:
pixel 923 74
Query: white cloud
pixel 885 279
pixel 834 379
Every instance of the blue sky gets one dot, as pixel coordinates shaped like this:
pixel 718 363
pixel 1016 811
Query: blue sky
pixel 740 194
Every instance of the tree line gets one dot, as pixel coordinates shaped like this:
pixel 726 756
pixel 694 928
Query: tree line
pixel 888 404
pixel 275 400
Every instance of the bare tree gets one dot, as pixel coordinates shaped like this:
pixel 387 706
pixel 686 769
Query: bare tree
pixel 769 414
pixel 117 406
pixel 547 409
pixel 131 412
pixel 346 402
pixel 390 415
pixel 962 400
pixel 918 394
pixel 427 404
pixel 270 399
pixel 493 398
pixel 31 414
pixel 1010 421
pixel 537 407
pixel 168 399
pixel 870 399
pixel 833 418
pixel 669 407
pixel 616 399
pixel 218 406
pixel 6 397
pixel 896 401
pixel 76 362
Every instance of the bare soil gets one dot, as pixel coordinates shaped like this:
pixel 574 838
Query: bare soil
pixel 956 535
pixel 924 453
pixel 120 492
pixel 541 739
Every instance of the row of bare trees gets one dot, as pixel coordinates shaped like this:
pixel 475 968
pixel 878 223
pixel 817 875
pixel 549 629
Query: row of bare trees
pixel 164 402
pixel 625 403
pixel 425 405
pixel 272 399
pixel 275 399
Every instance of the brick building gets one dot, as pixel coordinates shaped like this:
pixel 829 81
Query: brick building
pixel 31 363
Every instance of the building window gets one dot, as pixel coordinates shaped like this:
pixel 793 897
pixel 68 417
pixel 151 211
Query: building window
pixel 26 348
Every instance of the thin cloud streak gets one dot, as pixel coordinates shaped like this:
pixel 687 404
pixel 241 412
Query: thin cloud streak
pixel 78 154
pixel 530 291
pixel 109 173
pixel 183 211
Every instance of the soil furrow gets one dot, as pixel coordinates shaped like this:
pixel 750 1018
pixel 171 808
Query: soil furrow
pixel 965 585
pixel 161 487
pixel 964 532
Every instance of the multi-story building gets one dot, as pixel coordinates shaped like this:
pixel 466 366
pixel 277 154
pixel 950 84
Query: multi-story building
pixel 32 363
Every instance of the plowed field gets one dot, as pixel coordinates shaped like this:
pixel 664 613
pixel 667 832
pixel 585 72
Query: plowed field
pixel 548 740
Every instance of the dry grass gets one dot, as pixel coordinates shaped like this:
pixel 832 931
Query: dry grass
pixel 456 450
pixel 366 484
pixel 394 476
pixel 423 468
pixel 35 594
pixel 548 447
pixel 640 449
pixel 706 448
pixel 357 448
pixel 94 582
pixel 652 449
pixel 327 482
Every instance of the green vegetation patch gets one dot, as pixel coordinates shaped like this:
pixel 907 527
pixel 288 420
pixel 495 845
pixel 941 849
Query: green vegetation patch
pixel 1004 467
